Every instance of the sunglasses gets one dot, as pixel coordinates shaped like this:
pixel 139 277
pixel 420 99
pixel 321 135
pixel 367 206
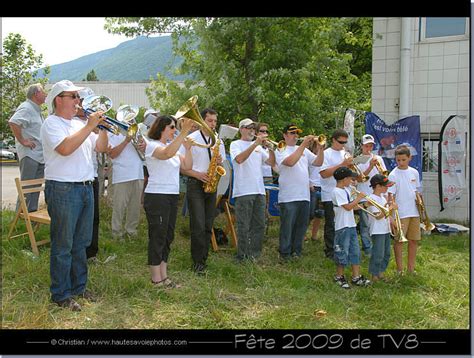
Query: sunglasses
pixel 172 126
pixel 262 131
pixel 73 96
pixel 341 141
pixel 249 127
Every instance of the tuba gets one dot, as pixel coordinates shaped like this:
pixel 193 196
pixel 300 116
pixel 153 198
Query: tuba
pixel 215 171
pixel 127 114
pixel 426 224
pixel 190 110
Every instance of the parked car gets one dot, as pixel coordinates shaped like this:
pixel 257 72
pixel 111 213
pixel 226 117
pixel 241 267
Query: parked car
pixel 6 154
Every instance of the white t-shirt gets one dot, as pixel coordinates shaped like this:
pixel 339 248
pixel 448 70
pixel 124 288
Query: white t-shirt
pixel 201 155
pixel 75 167
pixel 365 187
pixel 127 166
pixel 407 182
pixel 266 169
pixel 381 226
pixel 342 217
pixel 314 177
pixel 248 178
pixel 294 181
pixel 331 158
pixel 164 174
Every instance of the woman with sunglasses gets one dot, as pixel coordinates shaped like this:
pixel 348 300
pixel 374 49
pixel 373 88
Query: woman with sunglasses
pixel 333 159
pixel 160 201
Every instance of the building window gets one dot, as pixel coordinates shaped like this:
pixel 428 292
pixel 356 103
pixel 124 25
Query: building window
pixel 443 28
pixel 430 155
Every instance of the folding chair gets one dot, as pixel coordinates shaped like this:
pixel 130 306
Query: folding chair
pixel 38 217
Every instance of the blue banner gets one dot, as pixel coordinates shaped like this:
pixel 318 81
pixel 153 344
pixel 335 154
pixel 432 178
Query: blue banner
pixel 405 131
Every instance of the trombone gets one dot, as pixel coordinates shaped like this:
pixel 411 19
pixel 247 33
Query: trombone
pixel 381 209
pixel 92 104
pixel 190 110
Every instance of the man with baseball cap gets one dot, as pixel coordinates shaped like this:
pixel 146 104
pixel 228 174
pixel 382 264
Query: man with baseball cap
pixel 369 169
pixel 294 195
pixel 69 172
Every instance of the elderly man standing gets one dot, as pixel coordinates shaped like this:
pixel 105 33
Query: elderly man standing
pixel 249 190
pixel 26 126
pixel 69 171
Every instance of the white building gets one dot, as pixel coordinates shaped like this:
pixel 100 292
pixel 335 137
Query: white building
pixel 420 66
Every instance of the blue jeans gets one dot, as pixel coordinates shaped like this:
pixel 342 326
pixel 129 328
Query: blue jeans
pixel 346 247
pixel 71 208
pixel 293 224
pixel 380 254
pixel 364 232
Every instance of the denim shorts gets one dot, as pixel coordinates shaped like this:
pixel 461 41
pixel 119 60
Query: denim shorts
pixel 346 247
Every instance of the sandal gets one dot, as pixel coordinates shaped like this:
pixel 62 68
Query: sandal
pixel 168 283
pixel 159 284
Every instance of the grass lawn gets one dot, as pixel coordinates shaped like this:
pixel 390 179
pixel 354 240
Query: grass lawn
pixel 262 295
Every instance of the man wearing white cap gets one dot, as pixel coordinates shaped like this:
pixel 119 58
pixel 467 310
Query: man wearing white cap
pixel 248 189
pixel 369 169
pixel 26 125
pixel 202 205
pixel 69 172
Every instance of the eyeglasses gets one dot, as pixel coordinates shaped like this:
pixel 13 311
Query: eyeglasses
pixel 262 131
pixel 73 96
pixel 341 141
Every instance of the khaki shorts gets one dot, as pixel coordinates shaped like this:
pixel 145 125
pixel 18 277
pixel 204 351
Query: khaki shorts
pixel 411 228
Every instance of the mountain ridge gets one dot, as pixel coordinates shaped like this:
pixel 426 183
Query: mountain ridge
pixel 139 59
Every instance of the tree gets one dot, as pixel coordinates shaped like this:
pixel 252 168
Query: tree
pixel 276 70
pixel 19 66
pixel 91 76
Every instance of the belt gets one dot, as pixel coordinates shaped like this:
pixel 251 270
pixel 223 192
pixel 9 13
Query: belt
pixel 85 182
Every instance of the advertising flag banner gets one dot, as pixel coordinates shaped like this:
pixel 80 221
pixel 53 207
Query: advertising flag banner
pixel 452 161
pixel 387 137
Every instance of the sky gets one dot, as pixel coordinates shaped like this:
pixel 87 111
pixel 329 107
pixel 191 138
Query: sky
pixel 62 39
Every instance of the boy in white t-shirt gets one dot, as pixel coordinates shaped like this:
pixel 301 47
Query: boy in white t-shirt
pixel 346 243
pixel 379 227
pixel 407 184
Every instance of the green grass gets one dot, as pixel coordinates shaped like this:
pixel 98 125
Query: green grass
pixel 263 295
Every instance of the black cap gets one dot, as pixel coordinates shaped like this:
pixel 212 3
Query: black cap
pixel 380 179
pixel 343 172
pixel 292 128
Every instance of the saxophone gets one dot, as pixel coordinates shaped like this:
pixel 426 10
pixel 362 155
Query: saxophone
pixel 214 171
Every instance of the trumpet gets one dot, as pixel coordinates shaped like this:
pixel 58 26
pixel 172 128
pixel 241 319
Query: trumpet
pixel 426 224
pixel 320 139
pixel 381 209
pixel 92 104
pixel 398 235
pixel 356 169
pixel 380 169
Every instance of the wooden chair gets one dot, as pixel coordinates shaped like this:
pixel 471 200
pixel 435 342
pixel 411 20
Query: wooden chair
pixel 32 219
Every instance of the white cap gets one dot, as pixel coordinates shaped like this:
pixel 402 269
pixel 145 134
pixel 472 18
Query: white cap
pixel 245 122
pixel 86 92
pixel 150 116
pixel 58 88
pixel 367 138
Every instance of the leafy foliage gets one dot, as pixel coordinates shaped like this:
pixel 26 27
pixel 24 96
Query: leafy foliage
pixel 276 70
pixel 19 67
pixel 91 76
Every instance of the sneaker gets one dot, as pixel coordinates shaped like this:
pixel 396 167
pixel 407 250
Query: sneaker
pixel 88 295
pixel 69 303
pixel 341 281
pixel 361 281
pixel 200 269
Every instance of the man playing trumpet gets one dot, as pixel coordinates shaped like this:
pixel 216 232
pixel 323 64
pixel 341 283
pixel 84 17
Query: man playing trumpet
pixel 248 189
